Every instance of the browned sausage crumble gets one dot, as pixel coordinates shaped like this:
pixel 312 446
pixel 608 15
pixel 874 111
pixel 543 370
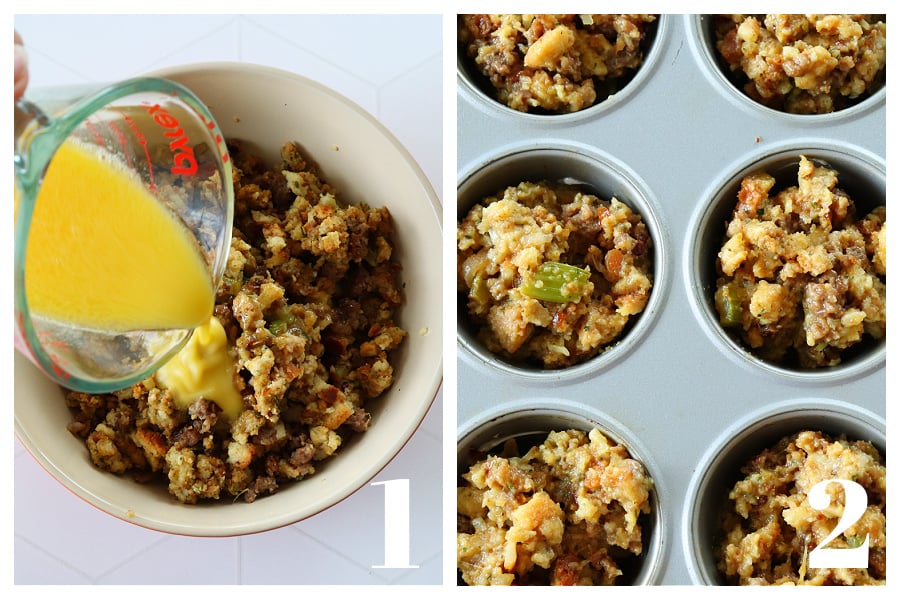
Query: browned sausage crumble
pixel 804 64
pixel 769 527
pixel 308 301
pixel 554 63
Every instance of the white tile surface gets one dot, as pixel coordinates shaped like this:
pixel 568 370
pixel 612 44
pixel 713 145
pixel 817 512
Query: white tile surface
pixel 391 66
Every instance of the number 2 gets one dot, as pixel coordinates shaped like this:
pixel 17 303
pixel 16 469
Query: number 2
pixel 855 503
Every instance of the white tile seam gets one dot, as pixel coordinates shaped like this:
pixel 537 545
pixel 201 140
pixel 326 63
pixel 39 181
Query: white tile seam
pixel 421 565
pixel 63 66
pixel 239 37
pixel 412 68
pixel 380 87
pixel 410 573
pixel 19 539
pixel 128 559
pixel 336 551
pixel 420 433
pixel 423 431
pixel 323 58
pixel 230 23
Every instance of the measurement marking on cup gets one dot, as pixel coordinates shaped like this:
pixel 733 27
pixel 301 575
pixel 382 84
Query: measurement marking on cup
pixel 142 140
pixel 211 125
pixel 93 129
pixel 123 141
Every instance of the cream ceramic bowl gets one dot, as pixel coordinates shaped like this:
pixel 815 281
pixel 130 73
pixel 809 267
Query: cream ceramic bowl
pixel 267 107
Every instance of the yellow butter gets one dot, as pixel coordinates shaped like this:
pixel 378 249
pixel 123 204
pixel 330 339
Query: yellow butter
pixel 203 368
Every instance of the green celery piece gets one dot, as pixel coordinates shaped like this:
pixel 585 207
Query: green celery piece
pixel 557 282
pixel 232 285
pixel 277 327
pixel 728 302
pixel 480 290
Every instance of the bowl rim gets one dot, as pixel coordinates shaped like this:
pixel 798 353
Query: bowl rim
pixel 265 520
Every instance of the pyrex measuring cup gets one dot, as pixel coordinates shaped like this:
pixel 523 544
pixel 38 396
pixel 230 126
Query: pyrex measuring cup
pixel 161 134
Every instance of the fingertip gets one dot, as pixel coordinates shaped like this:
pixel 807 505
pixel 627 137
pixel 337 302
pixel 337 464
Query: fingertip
pixel 20 69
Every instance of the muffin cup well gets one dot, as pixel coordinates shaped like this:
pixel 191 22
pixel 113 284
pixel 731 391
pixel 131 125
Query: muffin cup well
pixel 720 467
pixel 529 421
pixel 860 173
pixel 701 36
pixel 479 91
pixel 599 174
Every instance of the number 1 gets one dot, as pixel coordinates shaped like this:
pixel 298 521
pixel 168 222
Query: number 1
pixel 396 525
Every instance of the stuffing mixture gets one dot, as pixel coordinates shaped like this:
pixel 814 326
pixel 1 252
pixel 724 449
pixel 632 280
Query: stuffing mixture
pixel 804 64
pixel 554 63
pixel 769 527
pixel 552 275
pixel 567 512
pixel 308 302
pixel 802 277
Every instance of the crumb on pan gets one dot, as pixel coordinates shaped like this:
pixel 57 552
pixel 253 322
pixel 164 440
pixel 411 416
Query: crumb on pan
pixel 309 302
pixel 567 512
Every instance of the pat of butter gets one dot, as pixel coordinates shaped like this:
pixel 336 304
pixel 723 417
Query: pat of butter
pixel 203 368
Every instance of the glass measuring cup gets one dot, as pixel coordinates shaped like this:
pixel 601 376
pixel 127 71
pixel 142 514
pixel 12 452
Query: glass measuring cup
pixel 160 133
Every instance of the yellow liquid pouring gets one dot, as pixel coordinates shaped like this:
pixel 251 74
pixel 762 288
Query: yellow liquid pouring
pixel 203 368
pixel 104 254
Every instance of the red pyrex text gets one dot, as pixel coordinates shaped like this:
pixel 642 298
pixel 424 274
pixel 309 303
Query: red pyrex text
pixel 184 161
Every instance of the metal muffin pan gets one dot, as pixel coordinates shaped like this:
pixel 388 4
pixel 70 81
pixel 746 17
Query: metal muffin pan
pixel 529 421
pixel 675 390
